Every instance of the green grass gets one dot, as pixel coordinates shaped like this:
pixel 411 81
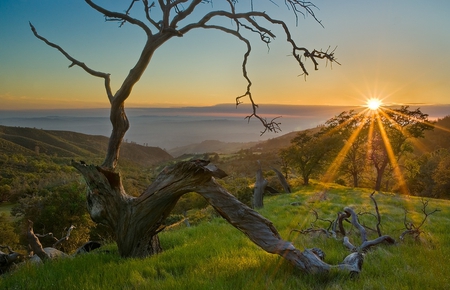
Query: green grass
pixel 214 255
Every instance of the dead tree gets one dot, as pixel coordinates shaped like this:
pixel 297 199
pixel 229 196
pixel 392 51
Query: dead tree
pixel 365 243
pixel 7 260
pixel 136 221
pixel 260 187
pixel 282 180
pixel 411 228
pixel 47 253
pixel 38 253
pixel 328 231
pixel 335 227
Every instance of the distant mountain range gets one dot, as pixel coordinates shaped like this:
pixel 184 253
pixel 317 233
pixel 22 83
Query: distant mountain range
pixel 32 141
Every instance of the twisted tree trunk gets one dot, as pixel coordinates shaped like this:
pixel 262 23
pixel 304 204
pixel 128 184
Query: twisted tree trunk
pixel 136 221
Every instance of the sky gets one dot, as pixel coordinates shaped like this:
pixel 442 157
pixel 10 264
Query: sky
pixel 392 50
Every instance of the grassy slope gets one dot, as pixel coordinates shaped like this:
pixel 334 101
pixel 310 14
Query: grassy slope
pixel 15 140
pixel 214 255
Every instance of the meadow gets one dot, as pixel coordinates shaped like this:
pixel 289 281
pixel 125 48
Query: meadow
pixel 214 255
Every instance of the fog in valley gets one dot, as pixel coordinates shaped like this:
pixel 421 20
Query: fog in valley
pixel 173 127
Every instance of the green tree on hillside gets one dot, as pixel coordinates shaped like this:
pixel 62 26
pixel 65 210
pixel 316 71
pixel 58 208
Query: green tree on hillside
pixel 5 192
pixel 55 209
pixel 431 176
pixel 441 177
pixel 8 236
pixel 390 139
pixel 439 137
pixel 351 129
pixel 311 153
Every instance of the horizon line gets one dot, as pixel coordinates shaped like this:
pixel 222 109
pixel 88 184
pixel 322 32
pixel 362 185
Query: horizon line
pixel 181 106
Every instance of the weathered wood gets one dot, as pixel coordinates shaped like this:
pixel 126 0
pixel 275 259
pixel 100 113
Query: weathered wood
pixel 282 180
pixel 65 238
pixel 365 244
pixel 8 260
pixel 87 247
pixel 35 244
pixel 356 258
pixel 260 186
pixel 137 220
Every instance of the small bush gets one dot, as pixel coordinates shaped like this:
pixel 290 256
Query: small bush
pixel 173 219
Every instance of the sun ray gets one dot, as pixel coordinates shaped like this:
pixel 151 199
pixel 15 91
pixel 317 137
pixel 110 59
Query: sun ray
pixel 369 139
pixel 330 174
pixel 391 156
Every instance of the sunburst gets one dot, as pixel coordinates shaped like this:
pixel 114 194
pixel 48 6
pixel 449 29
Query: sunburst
pixel 374 104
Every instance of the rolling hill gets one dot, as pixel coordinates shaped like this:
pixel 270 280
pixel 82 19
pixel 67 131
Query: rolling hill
pixel 29 141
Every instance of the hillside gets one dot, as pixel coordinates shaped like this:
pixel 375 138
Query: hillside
pixel 439 137
pixel 29 141
pixel 209 146
pixel 214 255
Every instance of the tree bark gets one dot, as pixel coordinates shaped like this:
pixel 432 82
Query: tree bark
pixel 35 244
pixel 305 180
pixel 355 179
pixel 136 221
pixel 260 186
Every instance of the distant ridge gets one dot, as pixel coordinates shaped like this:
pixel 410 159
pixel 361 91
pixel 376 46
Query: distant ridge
pixel 29 141
pixel 215 146
pixel 210 146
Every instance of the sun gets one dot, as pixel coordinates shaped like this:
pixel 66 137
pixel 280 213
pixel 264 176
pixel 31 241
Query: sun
pixel 374 104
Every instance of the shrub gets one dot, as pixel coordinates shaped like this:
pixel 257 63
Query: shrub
pixel 8 236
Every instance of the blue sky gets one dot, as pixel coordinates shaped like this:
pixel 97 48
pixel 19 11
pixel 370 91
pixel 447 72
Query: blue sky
pixel 393 50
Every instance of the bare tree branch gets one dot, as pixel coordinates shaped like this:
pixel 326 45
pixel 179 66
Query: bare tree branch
pixel 314 229
pixel 356 224
pixel 120 16
pixel 121 20
pixel 298 52
pixel 147 9
pixel 90 71
pixel 65 238
pixel 411 228
pixel 298 6
pixel 378 214
pixel 35 244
